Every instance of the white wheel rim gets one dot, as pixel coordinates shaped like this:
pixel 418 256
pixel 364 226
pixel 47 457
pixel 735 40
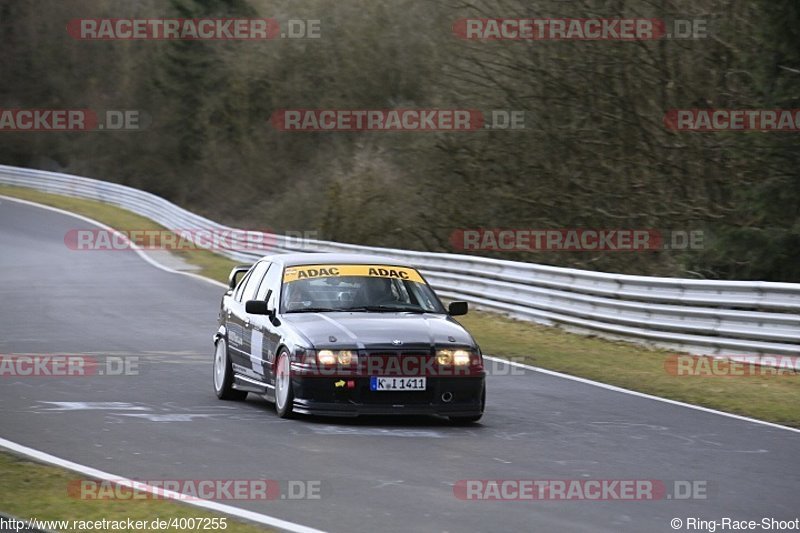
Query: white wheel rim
pixel 219 365
pixel 282 381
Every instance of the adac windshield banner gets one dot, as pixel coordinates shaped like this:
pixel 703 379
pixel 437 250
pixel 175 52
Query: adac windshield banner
pixel 329 271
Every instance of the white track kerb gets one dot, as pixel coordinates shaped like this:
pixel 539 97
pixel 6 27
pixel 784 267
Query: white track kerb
pixel 694 315
pixel 266 519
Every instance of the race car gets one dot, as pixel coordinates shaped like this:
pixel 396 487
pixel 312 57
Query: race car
pixel 345 335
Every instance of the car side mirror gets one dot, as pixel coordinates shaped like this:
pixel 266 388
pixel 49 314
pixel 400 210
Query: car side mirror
pixel 258 307
pixel 233 277
pixel 457 308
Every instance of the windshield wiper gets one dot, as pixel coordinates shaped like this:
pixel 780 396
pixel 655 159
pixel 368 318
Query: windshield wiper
pixel 385 309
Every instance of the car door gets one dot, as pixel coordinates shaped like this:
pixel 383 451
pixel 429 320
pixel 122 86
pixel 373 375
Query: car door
pixel 265 335
pixel 239 321
pixel 234 318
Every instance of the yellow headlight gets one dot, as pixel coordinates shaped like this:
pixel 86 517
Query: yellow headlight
pixel 331 357
pixel 346 357
pixel 461 357
pixel 453 357
pixel 326 357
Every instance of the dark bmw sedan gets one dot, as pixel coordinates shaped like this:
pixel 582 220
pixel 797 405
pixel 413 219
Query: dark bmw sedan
pixel 345 335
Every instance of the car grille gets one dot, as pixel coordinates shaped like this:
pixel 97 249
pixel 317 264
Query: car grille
pixel 384 359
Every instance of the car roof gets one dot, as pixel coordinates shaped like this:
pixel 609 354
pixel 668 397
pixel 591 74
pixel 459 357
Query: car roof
pixel 332 258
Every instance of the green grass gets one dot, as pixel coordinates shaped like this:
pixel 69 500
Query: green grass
pixel 33 490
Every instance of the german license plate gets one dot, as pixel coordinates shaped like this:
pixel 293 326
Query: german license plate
pixel 377 383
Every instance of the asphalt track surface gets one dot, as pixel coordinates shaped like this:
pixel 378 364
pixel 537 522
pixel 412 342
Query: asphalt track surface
pixel 165 423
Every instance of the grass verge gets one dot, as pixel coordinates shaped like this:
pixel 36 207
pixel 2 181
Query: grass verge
pixel 33 490
pixel 771 398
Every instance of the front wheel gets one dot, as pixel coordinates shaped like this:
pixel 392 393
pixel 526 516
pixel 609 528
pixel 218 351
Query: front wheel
pixel 284 396
pixel 223 374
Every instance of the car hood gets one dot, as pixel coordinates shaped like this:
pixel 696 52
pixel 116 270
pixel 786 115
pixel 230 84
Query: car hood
pixel 379 330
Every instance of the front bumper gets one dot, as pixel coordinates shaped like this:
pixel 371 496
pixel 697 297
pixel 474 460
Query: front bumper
pixel 321 396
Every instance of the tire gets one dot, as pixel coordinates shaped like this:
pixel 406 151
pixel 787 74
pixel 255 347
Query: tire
pixel 284 396
pixel 466 420
pixel 223 374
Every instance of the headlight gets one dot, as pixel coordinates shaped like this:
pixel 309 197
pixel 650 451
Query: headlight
pixel 346 357
pixel 453 357
pixel 326 357
pixel 331 357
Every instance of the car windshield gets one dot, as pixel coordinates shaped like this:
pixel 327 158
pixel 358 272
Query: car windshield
pixel 370 288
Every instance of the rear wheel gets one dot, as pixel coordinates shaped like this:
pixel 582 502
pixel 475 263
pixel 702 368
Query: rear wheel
pixel 284 396
pixel 223 374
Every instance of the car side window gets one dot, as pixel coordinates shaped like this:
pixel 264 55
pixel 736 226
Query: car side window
pixel 271 281
pixel 256 276
pixel 261 291
pixel 239 288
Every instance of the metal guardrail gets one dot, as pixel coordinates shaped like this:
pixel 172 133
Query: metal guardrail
pixel 711 317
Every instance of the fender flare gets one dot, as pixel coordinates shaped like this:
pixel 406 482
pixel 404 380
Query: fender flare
pixel 222 333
